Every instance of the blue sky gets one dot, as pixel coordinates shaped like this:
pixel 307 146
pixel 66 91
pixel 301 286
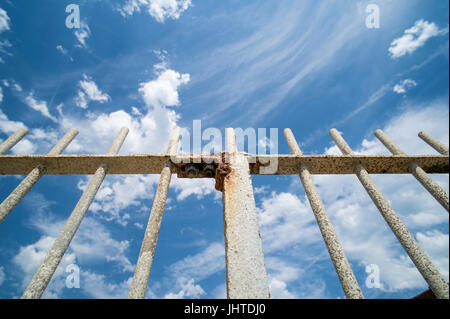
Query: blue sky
pixel 153 64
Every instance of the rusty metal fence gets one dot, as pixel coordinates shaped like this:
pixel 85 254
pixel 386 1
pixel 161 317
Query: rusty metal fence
pixel 246 275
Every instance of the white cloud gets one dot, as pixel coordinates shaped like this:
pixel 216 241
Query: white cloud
pixel 436 244
pixel 3 45
pixel 89 92
pixel 360 227
pixel 201 265
pixel 92 245
pixel 82 34
pixel 158 9
pixel 149 133
pixel 414 38
pixel 188 290
pixel 281 216
pixel 93 242
pixel 4 21
pixel 404 85
pixel 97 286
pixel 164 90
pixel 8 127
pixel 278 290
pixel 119 193
pixel 31 256
pixel 1 94
pixel 281 273
pixel 194 268
pixel 200 187
pixel 63 51
pixel 17 87
pixel 40 106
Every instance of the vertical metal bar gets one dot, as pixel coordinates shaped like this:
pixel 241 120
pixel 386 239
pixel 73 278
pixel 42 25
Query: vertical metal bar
pixel 340 262
pixel 45 272
pixel 139 283
pixel 245 267
pixel 430 185
pixel 12 140
pixel 429 272
pixel 32 178
pixel 433 142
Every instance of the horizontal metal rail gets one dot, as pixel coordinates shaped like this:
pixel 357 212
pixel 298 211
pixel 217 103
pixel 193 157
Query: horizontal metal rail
pixel 286 164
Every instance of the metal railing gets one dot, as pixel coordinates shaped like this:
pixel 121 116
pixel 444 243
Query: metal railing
pixel 246 275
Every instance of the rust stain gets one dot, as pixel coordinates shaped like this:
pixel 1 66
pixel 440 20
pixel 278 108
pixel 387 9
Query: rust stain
pixel 222 171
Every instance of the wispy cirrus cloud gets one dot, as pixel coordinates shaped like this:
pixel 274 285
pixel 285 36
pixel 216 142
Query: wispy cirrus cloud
pixel 276 55
pixel 4 21
pixel 63 51
pixel 40 106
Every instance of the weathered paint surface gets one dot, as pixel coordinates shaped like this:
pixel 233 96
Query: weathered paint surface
pixel 430 185
pixel 48 267
pixel 429 272
pixel 340 261
pixel 139 283
pixel 12 140
pixel 154 163
pixel 246 272
pixel 441 148
pixel 33 177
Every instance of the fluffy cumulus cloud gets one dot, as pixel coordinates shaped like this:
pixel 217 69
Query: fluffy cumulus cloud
pixel 403 86
pixel 164 90
pixel 121 195
pixel 188 290
pixel 149 129
pixel 89 92
pixel 414 38
pixel 280 215
pixel 158 9
pixel 4 21
pixel 93 245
